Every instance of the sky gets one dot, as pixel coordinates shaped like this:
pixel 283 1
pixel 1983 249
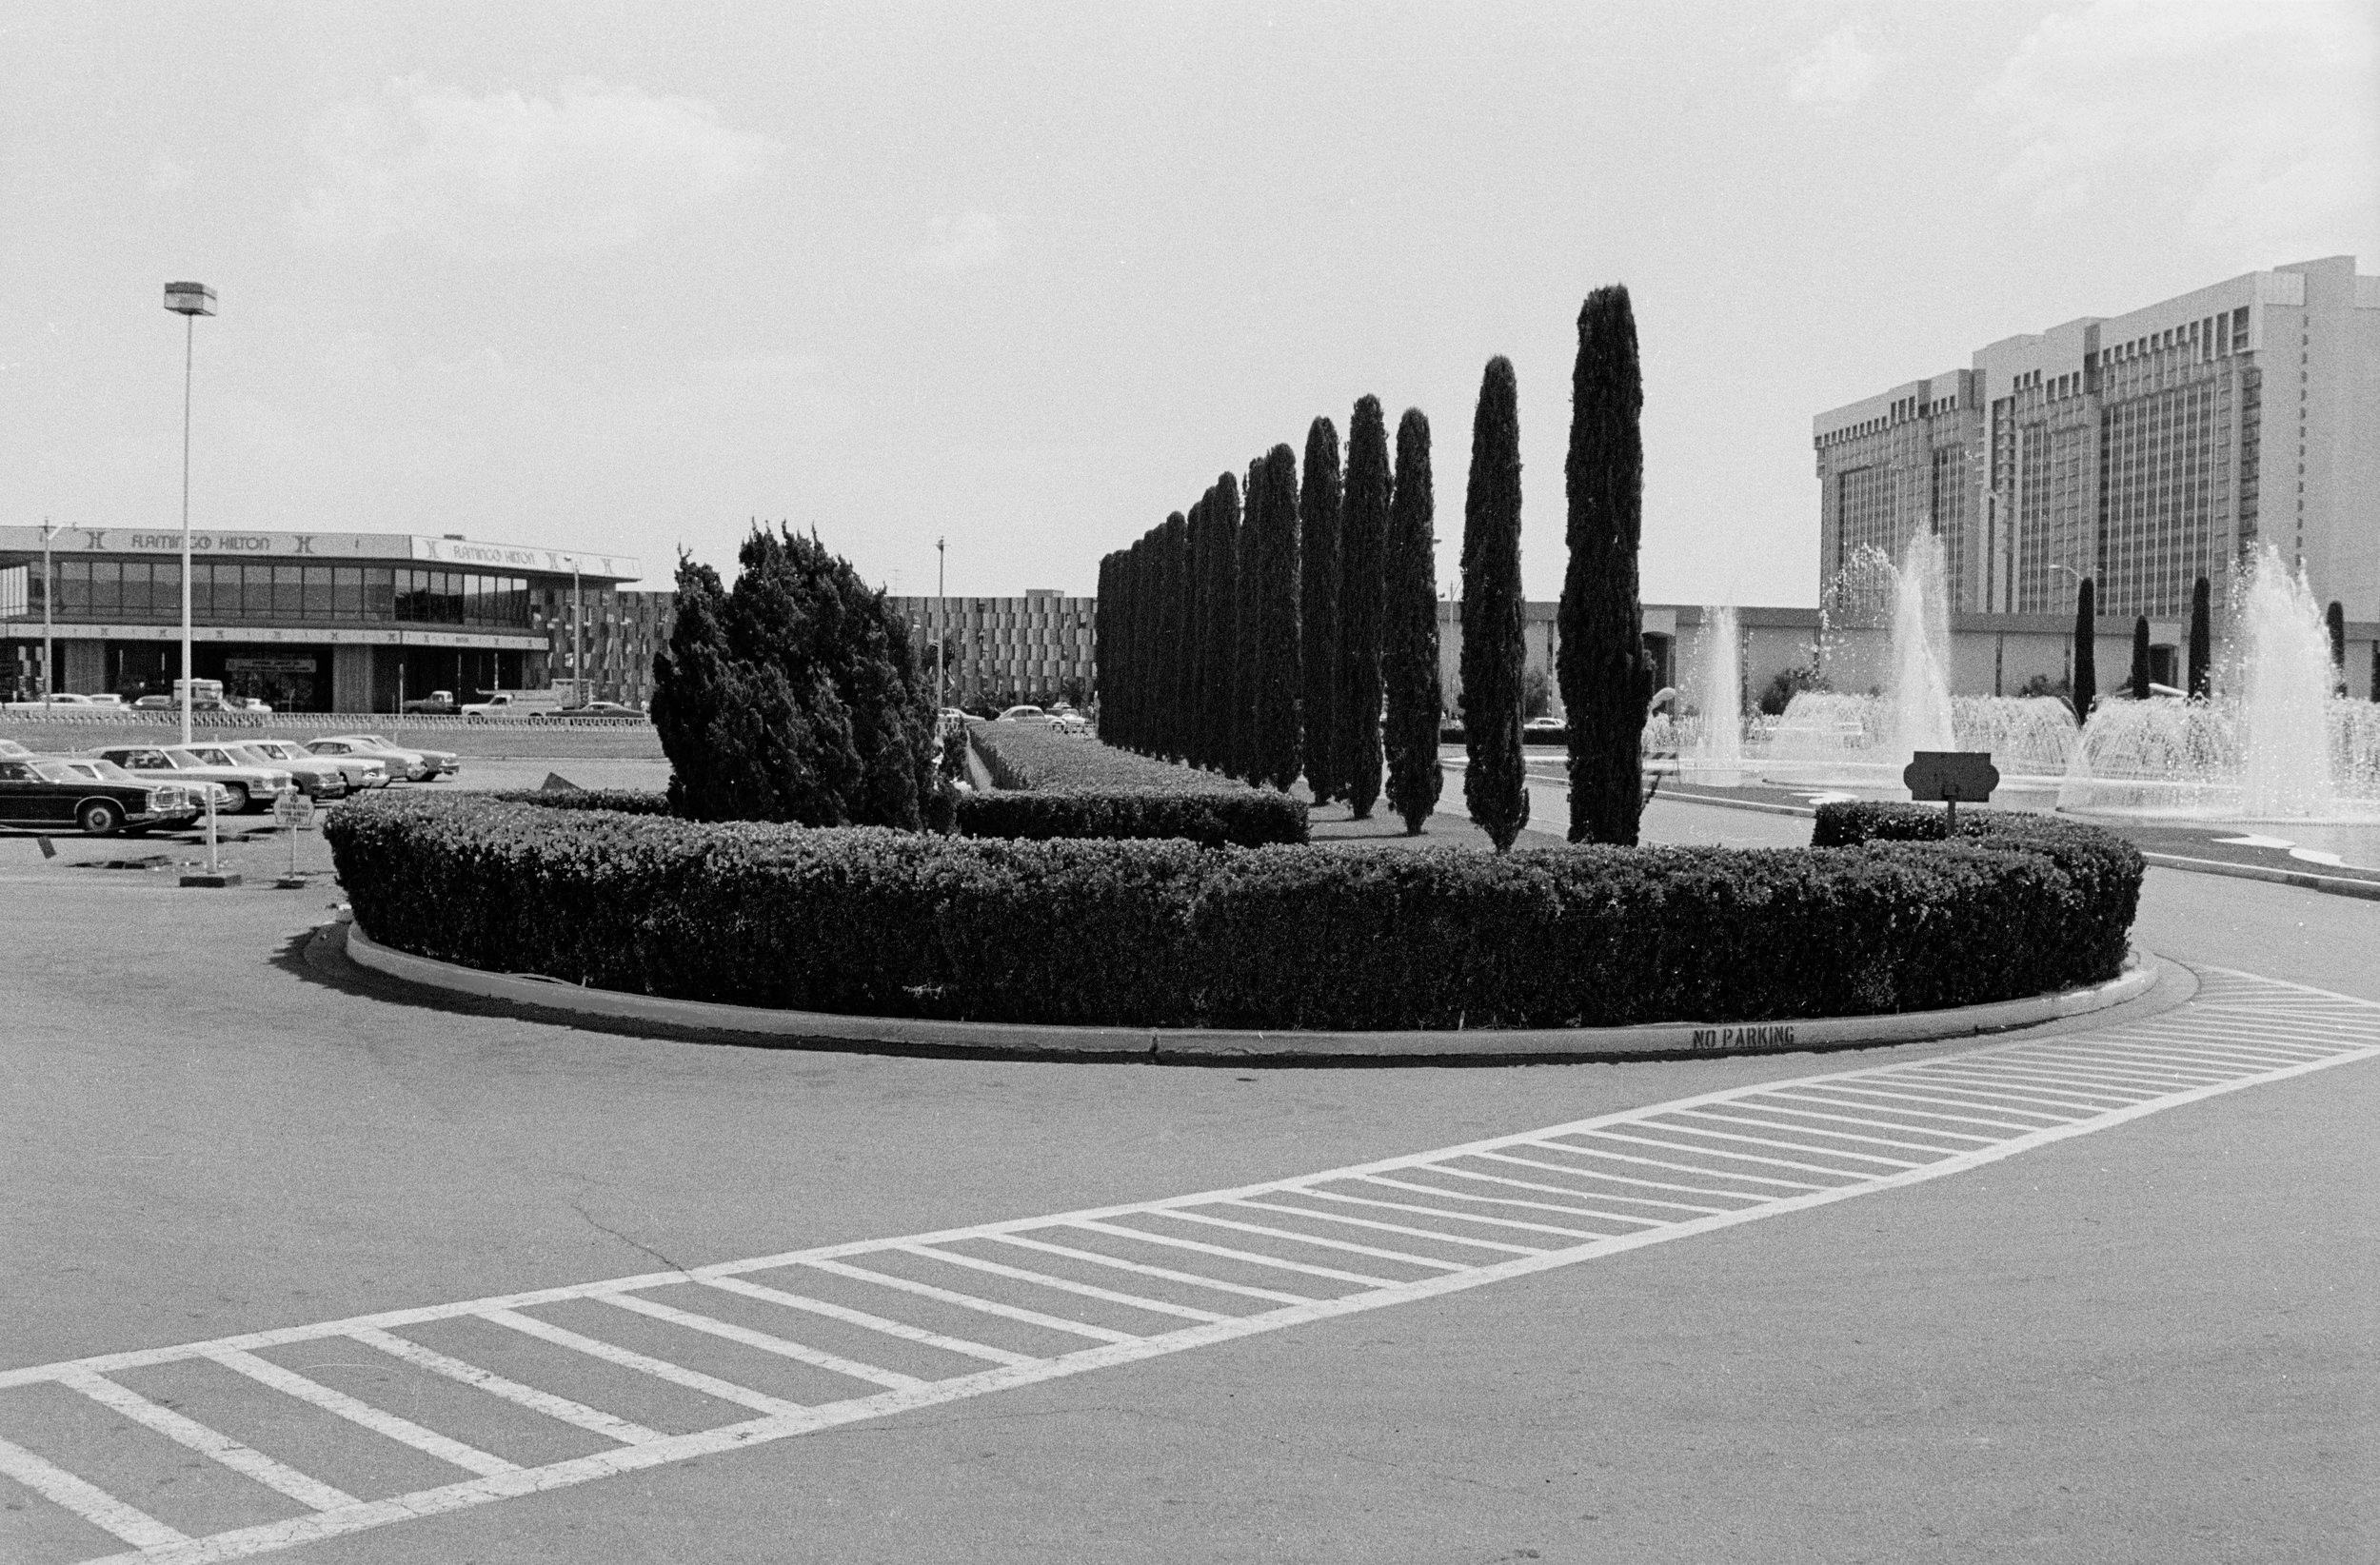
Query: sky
pixel 625 278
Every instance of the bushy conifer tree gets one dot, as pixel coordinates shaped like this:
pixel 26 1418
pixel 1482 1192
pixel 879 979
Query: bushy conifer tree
pixel 1494 784
pixel 2201 639
pixel 1606 678
pixel 1223 650
pixel 795 696
pixel 1409 665
pixel 1247 676
pixel 2086 648
pixel 1362 540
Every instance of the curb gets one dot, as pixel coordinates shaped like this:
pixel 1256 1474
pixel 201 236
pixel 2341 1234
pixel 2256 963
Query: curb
pixel 1198 1045
pixel 1716 801
pixel 2336 885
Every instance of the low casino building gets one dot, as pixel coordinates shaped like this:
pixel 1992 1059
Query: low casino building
pixel 310 621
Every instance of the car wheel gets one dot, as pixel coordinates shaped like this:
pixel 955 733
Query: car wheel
pixel 238 803
pixel 99 817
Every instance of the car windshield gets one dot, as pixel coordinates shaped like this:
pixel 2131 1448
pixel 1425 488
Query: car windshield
pixel 107 769
pixel 59 771
pixel 217 758
pixel 271 749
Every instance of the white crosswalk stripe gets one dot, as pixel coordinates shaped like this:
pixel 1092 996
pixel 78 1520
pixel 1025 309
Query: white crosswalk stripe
pixel 1505 1207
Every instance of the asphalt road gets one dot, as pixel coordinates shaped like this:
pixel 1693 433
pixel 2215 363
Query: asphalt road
pixel 2153 1342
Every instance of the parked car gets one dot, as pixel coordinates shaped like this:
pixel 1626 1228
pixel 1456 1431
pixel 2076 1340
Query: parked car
pixel 199 703
pixel 251 787
pixel 592 709
pixel 435 763
pixel 40 793
pixel 1545 725
pixel 107 771
pixel 360 772
pixel 403 766
pixel 437 703
pixel 11 750
pixel 316 779
pixel 507 704
pixel 1022 714
pixel 246 704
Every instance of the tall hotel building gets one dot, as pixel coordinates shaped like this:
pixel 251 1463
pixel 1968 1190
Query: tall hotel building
pixel 1004 650
pixel 2142 451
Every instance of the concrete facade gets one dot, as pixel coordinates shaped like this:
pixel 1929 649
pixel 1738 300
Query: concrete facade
pixel 1000 651
pixel 2142 451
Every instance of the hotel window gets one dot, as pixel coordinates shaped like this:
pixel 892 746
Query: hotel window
pixel 346 592
pixel 317 593
pixel 380 593
pixel 107 589
pixel 255 590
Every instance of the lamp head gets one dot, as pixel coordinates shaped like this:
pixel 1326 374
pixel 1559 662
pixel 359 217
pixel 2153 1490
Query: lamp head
pixel 189 298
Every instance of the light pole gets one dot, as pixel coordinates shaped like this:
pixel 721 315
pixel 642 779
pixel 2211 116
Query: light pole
pixel 190 301
pixel 48 590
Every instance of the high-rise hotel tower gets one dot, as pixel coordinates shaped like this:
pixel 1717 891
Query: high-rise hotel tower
pixel 2144 450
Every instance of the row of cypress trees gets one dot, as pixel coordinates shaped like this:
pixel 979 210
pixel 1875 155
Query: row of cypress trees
pixel 1259 633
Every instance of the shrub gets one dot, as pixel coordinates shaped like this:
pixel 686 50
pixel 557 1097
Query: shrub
pixel 1165 934
pixel 1788 683
pixel 794 697
pixel 1058 785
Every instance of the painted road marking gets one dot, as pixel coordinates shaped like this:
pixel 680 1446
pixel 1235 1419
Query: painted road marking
pixel 1920 1121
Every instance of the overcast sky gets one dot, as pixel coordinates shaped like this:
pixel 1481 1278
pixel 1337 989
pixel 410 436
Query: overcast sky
pixel 623 277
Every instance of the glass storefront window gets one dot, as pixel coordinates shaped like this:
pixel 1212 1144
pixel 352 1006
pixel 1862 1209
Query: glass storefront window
pixel 346 592
pixel 225 597
pixel 255 590
pixel 317 592
pixel 379 593
pixel 107 589
pixel 288 591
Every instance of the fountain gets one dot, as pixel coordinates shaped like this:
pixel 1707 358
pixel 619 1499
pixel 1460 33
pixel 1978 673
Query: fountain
pixel 1834 738
pixel 2273 744
pixel 1713 755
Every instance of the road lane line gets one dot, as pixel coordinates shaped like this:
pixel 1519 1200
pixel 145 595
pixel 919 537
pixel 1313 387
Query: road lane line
pixel 1270 1294
pixel 1576 1172
pixel 1779 1103
pixel 594 1420
pixel 1043 1279
pixel 289 1383
pixel 611 1352
pixel 1671 1122
pixel 1859 1098
pixel 244 1460
pixel 87 1500
pixel 1175 1241
pixel 900 1329
pixel 1404 1228
pixel 968 1301
pixel 1846 1174
pixel 1752 1109
pixel 1293 1236
pixel 1454 1213
pixel 1445 1194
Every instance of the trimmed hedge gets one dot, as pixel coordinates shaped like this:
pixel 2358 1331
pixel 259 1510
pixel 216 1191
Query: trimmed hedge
pixel 1058 784
pixel 874 922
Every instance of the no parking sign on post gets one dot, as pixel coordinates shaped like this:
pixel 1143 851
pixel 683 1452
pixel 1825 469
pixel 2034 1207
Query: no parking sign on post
pixel 1951 777
pixel 292 812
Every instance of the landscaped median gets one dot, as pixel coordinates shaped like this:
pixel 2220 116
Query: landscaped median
pixel 1055 784
pixel 1165 934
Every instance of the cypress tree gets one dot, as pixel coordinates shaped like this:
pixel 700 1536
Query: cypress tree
pixel 1606 678
pixel 1249 655
pixel 1409 632
pixel 2086 649
pixel 1172 628
pixel 2375 670
pixel 1317 551
pixel 1280 674
pixel 1224 651
pixel 1104 648
pixel 1194 638
pixel 1362 537
pixel 2334 618
pixel 2140 657
pixel 1495 783
pixel 2201 639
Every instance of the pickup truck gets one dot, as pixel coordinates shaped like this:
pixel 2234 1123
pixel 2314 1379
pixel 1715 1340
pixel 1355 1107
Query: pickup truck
pixel 437 703
pixel 515 705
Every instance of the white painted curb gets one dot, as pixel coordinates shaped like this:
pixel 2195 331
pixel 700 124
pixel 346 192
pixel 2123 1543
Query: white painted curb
pixel 1189 1044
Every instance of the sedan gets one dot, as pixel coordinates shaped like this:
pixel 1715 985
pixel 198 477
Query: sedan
pixel 316 778
pixel 435 763
pixel 360 772
pixel 403 766
pixel 250 787
pixel 60 793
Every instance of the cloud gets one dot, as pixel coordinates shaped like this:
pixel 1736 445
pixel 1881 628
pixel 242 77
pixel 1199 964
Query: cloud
pixel 592 167
pixel 2259 117
pixel 1836 74
pixel 962 243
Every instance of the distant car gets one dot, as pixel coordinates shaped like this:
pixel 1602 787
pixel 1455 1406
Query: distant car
pixel 250 786
pixel 403 766
pixel 153 703
pixel 245 704
pixel 1545 725
pixel 1022 714
pixel 439 762
pixel 360 772
pixel 437 703
pixel 11 750
pixel 110 772
pixel 59 793
pixel 316 779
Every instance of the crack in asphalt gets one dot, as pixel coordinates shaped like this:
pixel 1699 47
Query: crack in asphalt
pixel 632 1242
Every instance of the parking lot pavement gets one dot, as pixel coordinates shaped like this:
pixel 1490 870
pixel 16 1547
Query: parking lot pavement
pixel 2153 1340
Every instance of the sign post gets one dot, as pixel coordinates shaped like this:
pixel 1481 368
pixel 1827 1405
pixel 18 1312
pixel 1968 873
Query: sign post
pixel 292 812
pixel 1951 776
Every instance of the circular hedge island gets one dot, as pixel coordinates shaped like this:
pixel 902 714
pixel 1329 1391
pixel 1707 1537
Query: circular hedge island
pixel 1879 915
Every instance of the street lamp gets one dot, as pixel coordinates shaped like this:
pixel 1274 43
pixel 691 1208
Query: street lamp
pixel 190 301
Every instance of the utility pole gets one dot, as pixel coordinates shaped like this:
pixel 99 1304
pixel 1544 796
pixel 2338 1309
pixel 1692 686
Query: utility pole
pixel 49 591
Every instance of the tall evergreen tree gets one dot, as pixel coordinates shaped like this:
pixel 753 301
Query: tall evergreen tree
pixel 1280 673
pixel 1606 678
pixel 2139 681
pixel 1362 540
pixel 1194 639
pixel 1495 783
pixel 2086 648
pixel 1248 676
pixel 1174 634
pixel 1409 635
pixel 1317 551
pixel 2334 620
pixel 2201 639
pixel 1103 649
pixel 1223 649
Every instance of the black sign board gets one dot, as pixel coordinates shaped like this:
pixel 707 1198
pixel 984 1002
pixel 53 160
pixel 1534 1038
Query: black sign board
pixel 1954 776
